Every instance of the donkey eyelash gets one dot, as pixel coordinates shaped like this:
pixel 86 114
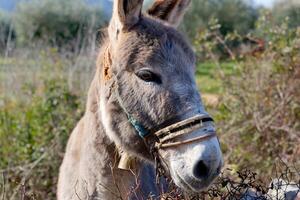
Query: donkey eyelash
pixel 148 76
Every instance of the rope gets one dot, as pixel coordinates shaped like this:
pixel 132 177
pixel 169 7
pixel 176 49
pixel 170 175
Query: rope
pixel 185 127
pixel 201 138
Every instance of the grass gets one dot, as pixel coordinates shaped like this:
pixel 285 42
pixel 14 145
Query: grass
pixel 209 76
pixel 30 68
pixel 42 96
pixel 15 72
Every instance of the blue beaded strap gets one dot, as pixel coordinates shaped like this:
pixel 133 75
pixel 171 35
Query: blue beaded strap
pixel 142 132
pixel 138 127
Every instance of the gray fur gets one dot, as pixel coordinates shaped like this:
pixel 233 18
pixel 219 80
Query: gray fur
pixel 89 169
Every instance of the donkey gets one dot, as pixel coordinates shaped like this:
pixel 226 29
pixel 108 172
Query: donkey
pixel 143 108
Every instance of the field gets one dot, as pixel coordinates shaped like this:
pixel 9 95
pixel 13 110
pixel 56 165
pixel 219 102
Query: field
pixel 43 96
pixel 253 96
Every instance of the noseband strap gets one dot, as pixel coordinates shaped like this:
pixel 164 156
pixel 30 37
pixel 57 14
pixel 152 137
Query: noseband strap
pixel 200 122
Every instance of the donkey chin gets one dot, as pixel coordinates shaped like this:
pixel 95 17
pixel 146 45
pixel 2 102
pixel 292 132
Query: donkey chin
pixel 194 167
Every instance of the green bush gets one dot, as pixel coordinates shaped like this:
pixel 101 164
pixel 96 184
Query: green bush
pixel 233 15
pixel 58 22
pixel 33 136
pixel 259 113
pixel 287 9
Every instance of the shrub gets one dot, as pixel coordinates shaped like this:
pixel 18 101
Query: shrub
pixel 233 15
pixel 58 22
pixel 290 9
pixel 260 111
pixel 33 136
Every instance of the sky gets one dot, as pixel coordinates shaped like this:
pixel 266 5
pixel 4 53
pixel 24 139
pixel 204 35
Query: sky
pixel 9 4
pixel 267 3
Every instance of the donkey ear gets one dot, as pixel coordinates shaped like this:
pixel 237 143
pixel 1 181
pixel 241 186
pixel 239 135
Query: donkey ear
pixel 171 11
pixel 126 13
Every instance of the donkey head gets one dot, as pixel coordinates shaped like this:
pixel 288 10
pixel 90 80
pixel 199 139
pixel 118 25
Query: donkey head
pixel 148 83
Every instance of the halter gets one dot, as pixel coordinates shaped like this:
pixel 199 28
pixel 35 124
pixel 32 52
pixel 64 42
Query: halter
pixel 166 134
pixel 163 136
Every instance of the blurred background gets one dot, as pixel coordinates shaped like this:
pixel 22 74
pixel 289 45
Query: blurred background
pixel 248 71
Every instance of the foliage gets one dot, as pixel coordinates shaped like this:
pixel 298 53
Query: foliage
pixel 33 136
pixel 266 101
pixel 258 108
pixel 233 15
pixel 40 103
pixel 57 22
pixel 208 76
pixel 259 114
pixel 287 9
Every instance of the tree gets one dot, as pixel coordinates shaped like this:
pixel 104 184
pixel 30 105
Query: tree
pixel 57 22
pixel 233 15
pixel 287 8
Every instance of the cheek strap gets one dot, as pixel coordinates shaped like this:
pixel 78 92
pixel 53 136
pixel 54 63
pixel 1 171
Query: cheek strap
pixel 107 74
pixel 140 129
pixel 126 162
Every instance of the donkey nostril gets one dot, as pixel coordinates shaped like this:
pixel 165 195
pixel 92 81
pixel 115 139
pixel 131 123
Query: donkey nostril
pixel 201 170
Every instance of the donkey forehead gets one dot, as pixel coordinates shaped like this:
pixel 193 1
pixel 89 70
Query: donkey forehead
pixel 155 44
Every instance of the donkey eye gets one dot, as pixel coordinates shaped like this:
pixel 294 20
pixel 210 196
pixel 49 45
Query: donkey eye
pixel 148 76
